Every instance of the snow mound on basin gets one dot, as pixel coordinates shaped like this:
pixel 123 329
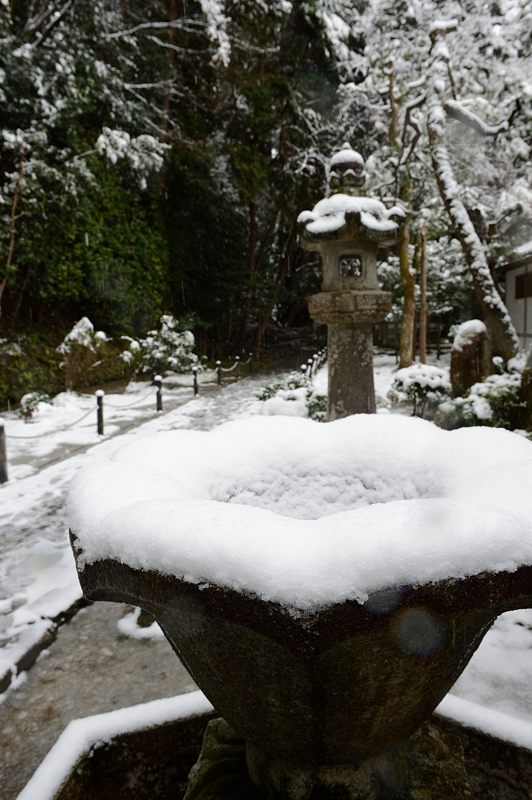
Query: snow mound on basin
pixel 309 514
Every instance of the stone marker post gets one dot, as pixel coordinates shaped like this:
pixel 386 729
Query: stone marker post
pixel 347 230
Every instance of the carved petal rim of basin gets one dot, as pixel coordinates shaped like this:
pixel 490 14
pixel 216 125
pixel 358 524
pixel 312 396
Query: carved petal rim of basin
pixel 309 514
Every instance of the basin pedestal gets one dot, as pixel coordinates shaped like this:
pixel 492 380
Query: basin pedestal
pixel 375 779
pixel 326 701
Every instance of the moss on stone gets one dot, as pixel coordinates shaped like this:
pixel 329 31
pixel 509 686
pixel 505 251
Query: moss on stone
pixel 436 767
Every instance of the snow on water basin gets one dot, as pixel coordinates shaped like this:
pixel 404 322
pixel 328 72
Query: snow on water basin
pixel 309 514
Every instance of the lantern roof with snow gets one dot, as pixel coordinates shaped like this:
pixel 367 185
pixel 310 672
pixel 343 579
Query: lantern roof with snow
pixel 345 215
pixel 346 170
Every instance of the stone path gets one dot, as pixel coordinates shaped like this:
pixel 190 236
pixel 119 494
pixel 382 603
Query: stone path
pixel 90 668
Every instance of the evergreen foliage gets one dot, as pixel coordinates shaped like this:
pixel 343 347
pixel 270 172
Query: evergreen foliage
pixel 154 155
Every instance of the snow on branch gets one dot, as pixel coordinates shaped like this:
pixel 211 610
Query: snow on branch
pixel 213 11
pixel 441 27
pixel 144 153
pixel 460 113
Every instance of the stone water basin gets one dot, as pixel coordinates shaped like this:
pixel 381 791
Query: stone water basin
pixel 325 584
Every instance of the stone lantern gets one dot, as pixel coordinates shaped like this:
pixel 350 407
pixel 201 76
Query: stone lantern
pixel 347 230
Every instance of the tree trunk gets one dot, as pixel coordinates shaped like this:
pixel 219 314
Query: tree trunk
pixel 252 260
pixel 408 280
pixel 14 311
pixel 176 10
pixel 393 131
pixel 503 336
pixel 12 226
pixel 279 281
pixel 423 293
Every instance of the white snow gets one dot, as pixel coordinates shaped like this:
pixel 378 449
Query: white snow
pixel 38 578
pixel 308 514
pixel 217 24
pixel 287 402
pixel 128 626
pixel 82 735
pixel 426 376
pixel 81 335
pixel 467 332
pixel 524 249
pixel 329 214
pixel 346 156
pixel 487 720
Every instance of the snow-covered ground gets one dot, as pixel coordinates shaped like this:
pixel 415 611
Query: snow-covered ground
pixel 38 580
pixel 37 575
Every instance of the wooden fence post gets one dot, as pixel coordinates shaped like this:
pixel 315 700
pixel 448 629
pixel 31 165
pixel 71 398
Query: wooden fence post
pixel 158 381
pixel 3 453
pixel 251 363
pixel 99 410
pixel 195 378
pixel 237 359
pixel 219 373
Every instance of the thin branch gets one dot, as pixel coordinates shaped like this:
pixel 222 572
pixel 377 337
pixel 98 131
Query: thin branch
pixel 154 85
pixel 56 19
pixel 176 48
pixel 186 24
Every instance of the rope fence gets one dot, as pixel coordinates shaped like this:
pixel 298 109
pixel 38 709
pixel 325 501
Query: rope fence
pixel 156 390
pixel 314 363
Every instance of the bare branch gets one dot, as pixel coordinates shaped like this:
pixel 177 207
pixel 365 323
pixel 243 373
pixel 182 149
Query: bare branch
pixel 54 21
pixel 176 48
pixel 185 23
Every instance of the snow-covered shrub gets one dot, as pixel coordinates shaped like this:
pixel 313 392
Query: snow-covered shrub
pixel 317 406
pixel 131 354
pixel 495 401
pixel 81 335
pixel 420 384
pixel 294 396
pixel 29 404
pixel 294 380
pixel 170 349
pixel 79 350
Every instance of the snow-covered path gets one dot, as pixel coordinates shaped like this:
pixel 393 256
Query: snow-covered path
pixel 38 580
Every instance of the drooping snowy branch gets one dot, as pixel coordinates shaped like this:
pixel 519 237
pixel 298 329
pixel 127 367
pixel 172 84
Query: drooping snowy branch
pixel 217 24
pixel 460 113
pixel 144 153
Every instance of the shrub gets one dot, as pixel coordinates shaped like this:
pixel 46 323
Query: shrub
pixel 422 384
pixel 296 390
pixel 495 401
pixel 294 380
pixel 169 349
pixel 79 351
pixel 29 404
pixel 29 364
